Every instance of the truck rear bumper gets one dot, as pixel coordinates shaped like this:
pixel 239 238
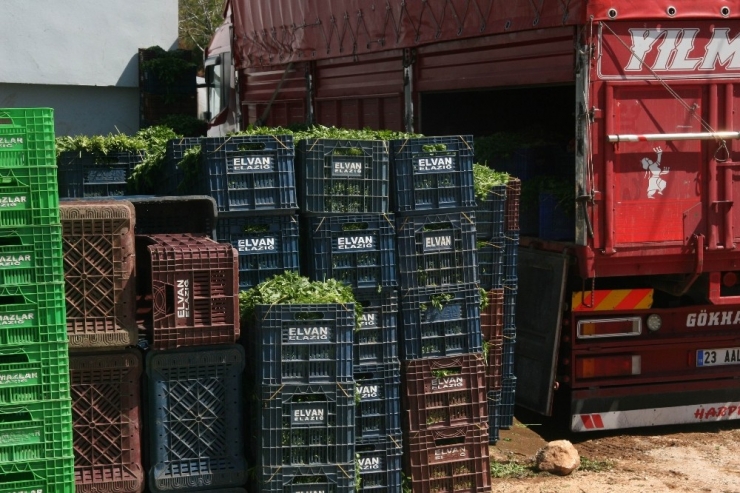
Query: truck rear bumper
pixel 653 405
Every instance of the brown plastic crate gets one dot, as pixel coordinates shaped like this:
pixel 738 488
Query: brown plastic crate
pixel 105 420
pixel 188 290
pixel 492 317
pixel 99 262
pixel 513 194
pixel 494 367
pixel 444 392
pixel 452 459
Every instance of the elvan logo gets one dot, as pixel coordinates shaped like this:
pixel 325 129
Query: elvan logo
pixel 262 163
pixel 183 298
pixel 368 391
pixel 307 334
pixel 369 320
pixel 437 242
pixel 355 243
pixel 308 416
pixel 369 463
pixel 257 245
pixel 347 168
pixel 444 453
pixel 436 164
pixel 448 383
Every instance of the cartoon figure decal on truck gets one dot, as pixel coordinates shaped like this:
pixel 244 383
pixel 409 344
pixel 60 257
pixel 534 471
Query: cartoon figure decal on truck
pixel 655 172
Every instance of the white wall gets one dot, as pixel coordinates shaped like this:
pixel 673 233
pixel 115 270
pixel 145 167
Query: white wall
pixel 80 57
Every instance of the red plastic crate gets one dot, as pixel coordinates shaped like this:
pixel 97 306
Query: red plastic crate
pixel 444 392
pixel 449 460
pixel 99 262
pixel 105 420
pixel 492 317
pixel 188 290
pixel 494 367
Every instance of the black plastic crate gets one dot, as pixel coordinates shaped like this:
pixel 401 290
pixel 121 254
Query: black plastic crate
pixel 303 425
pixel 436 250
pixel 378 414
pixel 174 175
pixel 494 418
pixel 508 399
pixel 302 344
pixel 431 180
pixel 359 250
pixel 195 418
pixel 379 465
pixel 440 322
pixel 376 341
pixel 491 264
pixel 193 214
pixel 249 173
pixel 84 174
pixel 267 245
pixel 342 176
pixel 334 478
pixel 489 215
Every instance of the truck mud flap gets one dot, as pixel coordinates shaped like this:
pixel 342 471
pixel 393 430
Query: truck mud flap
pixel 539 315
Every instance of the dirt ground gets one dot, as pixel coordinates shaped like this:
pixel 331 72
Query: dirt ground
pixel 697 458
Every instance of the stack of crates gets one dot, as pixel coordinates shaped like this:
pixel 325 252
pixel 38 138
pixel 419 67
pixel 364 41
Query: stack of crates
pixel 510 286
pixel 443 370
pixel 350 237
pixel 99 272
pixel 252 179
pixel 490 227
pixel 36 453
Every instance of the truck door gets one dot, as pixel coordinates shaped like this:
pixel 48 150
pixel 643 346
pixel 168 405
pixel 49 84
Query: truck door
pixel 657 185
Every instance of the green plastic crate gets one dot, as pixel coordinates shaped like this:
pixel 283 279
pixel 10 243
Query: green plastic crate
pixel 32 314
pixel 41 430
pixel 33 373
pixel 27 137
pixel 41 476
pixel 31 255
pixel 29 196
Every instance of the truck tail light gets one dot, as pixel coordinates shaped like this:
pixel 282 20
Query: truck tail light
pixel 609 327
pixel 608 366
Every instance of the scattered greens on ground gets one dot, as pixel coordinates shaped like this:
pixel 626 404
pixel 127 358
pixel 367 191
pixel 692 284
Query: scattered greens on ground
pixel 590 465
pixel 485 179
pixel 290 288
pixel 510 470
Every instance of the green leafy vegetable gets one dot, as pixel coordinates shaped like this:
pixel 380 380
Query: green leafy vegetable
pixel 485 179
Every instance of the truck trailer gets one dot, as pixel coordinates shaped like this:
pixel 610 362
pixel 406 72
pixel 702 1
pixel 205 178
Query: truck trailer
pixel 634 319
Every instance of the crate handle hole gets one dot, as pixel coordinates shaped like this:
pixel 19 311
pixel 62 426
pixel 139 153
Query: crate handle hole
pixel 447 372
pixel 17 477
pixel 10 240
pixel 9 359
pixel 6 121
pixel 348 151
pixel 309 316
pixel 254 146
pixel 355 226
pixel 437 226
pixel 449 441
pixel 15 417
pixel 309 398
pixel 256 228
pixel 12 300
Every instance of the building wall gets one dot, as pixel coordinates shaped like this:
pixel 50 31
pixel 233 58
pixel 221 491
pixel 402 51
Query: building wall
pixel 81 57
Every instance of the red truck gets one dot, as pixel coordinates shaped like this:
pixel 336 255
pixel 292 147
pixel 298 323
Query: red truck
pixel 635 321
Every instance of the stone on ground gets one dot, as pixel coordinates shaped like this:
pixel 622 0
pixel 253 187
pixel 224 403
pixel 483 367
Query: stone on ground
pixel 559 457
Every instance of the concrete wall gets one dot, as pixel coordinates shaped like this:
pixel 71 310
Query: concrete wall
pixel 81 58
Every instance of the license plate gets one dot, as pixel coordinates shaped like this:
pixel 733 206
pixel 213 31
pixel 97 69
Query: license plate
pixel 718 357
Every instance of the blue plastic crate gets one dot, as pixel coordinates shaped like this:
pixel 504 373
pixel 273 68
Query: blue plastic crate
pixel 85 174
pixel 174 175
pixel 195 409
pixel 432 180
pixel 342 176
pixel 524 163
pixel 491 264
pixel 379 465
pixel 508 399
pixel 509 356
pixel 334 478
pixel 509 309
pixel 303 425
pixel 378 414
pixel 428 331
pixel 376 341
pixel 436 250
pixel 302 344
pixel 494 417
pixel 267 245
pixel 249 173
pixel 489 215
pixel 511 254
pixel 557 219
pixel 359 250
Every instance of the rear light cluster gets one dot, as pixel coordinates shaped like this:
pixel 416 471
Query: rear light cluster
pixel 612 327
pixel 608 366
